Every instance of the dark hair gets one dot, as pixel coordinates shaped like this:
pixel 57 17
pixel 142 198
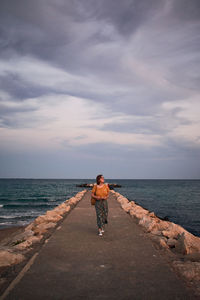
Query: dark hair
pixel 98 178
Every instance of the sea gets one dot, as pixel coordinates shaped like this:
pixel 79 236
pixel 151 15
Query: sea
pixel 22 200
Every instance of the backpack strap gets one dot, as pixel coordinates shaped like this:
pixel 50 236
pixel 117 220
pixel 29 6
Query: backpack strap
pixel 95 188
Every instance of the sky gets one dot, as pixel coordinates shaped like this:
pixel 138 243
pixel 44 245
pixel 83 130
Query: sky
pixel 100 87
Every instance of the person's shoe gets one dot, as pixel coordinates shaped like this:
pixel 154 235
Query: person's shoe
pixel 102 230
pixel 100 233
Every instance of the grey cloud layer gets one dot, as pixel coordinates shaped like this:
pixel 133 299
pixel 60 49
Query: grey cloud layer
pixel 93 36
pixel 131 55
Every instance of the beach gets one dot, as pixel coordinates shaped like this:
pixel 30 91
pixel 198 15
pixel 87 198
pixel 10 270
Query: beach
pixel 9 232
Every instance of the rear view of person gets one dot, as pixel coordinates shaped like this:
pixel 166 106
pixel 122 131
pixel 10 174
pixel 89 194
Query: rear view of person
pixel 100 193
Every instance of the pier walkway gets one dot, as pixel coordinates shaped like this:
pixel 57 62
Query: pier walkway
pixel 76 263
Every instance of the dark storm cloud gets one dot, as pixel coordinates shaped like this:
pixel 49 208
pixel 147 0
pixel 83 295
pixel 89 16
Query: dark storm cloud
pixel 57 32
pixel 66 33
pixel 43 28
pixel 34 28
pixel 19 88
pixel 125 15
pixel 186 10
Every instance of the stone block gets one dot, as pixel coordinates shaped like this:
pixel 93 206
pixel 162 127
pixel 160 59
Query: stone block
pixel 188 243
pixel 42 228
pixel 8 258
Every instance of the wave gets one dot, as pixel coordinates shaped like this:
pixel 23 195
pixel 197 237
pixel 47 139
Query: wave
pixel 16 217
pixel 7 217
pixel 32 199
pixel 28 206
pixel 11 224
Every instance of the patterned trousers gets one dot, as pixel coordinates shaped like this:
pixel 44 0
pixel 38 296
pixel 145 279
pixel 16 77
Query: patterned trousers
pixel 101 207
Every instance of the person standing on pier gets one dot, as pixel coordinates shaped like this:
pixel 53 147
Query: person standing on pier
pixel 100 193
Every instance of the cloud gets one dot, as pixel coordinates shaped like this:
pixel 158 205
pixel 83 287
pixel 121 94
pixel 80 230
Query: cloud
pixel 188 131
pixel 186 11
pixel 57 119
pixel 75 75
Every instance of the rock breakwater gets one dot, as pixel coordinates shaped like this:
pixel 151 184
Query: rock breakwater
pixel 184 246
pixel 90 185
pixel 13 249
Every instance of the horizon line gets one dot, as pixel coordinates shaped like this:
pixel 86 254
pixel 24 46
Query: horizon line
pixel 51 178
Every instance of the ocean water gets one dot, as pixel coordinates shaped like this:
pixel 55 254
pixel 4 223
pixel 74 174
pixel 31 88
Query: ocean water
pixel 22 200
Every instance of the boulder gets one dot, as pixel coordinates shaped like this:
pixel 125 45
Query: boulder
pixel 43 227
pixel 171 243
pixel 52 216
pixel 39 220
pixel 35 239
pixel 138 212
pixel 117 194
pixel 152 215
pixel 68 208
pixel 62 209
pixel 147 222
pixel 161 242
pixel 153 225
pixel 72 200
pixel 28 233
pixel 160 226
pixel 173 230
pixel 79 195
pixel 30 226
pixel 122 199
pixel 8 258
pixel 28 243
pixel 18 238
pixel 188 243
pixel 51 213
pixel 156 232
pixel 127 207
pixel 61 206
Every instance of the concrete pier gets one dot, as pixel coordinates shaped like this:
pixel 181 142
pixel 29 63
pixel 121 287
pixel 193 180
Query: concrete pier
pixel 76 263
